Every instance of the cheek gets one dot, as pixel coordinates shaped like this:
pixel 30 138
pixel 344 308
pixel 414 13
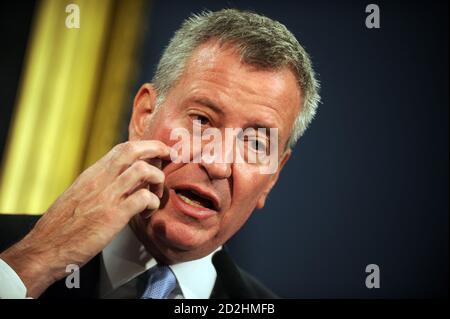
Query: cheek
pixel 160 129
pixel 248 186
pixel 248 183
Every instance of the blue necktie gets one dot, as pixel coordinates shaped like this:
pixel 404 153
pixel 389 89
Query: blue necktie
pixel 161 282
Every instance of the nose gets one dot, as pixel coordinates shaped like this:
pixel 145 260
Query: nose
pixel 216 164
pixel 218 167
pixel 217 170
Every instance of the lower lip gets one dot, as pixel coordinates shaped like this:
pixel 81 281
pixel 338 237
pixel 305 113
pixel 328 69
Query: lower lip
pixel 199 213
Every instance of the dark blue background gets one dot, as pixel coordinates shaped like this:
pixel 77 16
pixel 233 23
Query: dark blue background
pixel 368 182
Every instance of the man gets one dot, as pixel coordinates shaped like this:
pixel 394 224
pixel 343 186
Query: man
pixel 144 225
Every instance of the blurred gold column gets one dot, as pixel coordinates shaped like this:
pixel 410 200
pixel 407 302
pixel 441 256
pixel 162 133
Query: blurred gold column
pixel 71 99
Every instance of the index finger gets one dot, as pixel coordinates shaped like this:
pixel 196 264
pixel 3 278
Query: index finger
pixel 129 152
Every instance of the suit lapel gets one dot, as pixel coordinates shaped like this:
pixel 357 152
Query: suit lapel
pixel 229 282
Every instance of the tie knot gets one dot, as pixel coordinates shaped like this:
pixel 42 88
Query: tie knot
pixel 161 282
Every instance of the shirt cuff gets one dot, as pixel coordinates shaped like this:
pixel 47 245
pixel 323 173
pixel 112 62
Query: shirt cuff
pixel 11 286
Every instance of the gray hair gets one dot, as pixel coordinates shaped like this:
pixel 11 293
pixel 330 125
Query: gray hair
pixel 261 42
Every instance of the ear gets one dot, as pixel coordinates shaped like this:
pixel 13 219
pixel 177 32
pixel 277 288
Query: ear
pixel 143 106
pixel 274 178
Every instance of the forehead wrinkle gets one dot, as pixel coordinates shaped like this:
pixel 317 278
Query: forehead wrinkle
pixel 209 57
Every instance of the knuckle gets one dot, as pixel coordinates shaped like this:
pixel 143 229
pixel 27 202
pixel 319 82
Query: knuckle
pixel 155 174
pixel 128 147
pixel 147 197
pixel 147 171
pixel 142 195
pixel 117 152
pixel 141 167
pixel 117 149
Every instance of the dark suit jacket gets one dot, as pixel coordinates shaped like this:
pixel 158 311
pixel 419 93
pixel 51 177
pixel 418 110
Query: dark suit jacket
pixel 231 282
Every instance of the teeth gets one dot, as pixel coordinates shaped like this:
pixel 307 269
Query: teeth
pixel 188 201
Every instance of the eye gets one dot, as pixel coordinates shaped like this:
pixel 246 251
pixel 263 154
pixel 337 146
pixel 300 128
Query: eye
pixel 257 145
pixel 203 120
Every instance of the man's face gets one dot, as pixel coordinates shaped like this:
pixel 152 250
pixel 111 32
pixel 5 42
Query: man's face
pixel 220 92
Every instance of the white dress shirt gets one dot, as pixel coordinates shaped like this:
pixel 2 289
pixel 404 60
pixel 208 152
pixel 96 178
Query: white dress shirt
pixel 124 259
pixel 11 286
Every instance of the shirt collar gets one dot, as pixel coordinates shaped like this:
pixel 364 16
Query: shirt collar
pixel 125 258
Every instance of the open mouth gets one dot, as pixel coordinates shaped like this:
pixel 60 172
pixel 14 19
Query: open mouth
pixel 196 199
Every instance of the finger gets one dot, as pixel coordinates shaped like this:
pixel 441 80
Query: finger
pixel 127 153
pixel 139 201
pixel 158 189
pixel 138 174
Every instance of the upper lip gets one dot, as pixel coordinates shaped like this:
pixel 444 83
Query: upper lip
pixel 202 191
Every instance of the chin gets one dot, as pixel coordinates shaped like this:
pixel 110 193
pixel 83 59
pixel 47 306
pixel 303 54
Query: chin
pixel 179 239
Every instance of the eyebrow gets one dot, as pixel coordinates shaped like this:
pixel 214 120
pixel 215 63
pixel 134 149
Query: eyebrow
pixel 210 104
